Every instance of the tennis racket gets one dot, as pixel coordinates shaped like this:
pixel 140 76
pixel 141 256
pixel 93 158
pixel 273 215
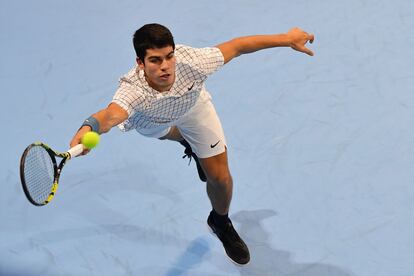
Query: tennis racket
pixel 39 172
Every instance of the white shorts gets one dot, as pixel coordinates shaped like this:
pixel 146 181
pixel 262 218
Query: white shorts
pixel 200 126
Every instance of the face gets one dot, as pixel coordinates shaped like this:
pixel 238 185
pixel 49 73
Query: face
pixel 159 68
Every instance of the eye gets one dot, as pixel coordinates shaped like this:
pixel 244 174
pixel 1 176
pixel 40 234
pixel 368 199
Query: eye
pixel 155 60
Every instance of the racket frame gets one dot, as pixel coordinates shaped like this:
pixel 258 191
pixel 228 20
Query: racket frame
pixel 57 170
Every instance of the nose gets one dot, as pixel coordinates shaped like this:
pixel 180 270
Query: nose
pixel 165 65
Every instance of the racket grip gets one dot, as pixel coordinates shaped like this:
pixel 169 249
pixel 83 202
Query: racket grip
pixel 76 150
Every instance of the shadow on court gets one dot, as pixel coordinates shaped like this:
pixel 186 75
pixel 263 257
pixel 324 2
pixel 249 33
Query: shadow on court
pixel 192 256
pixel 266 260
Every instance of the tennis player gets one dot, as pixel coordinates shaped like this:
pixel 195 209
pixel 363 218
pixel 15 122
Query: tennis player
pixel 164 97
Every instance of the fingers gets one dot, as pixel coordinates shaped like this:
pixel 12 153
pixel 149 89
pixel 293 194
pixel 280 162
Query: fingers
pixel 301 34
pixel 75 143
pixel 299 40
pixel 311 37
pixel 307 51
pixel 76 140
pixel 303 49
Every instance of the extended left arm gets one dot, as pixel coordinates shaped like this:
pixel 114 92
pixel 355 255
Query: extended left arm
pixel 295 38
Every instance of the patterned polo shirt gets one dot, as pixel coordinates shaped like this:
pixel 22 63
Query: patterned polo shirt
pixel 148 108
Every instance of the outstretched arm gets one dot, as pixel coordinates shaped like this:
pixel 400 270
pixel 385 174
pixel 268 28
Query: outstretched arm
pixel 295 38
pixel 107 118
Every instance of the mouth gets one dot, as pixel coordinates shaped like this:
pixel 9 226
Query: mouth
pixel 165 76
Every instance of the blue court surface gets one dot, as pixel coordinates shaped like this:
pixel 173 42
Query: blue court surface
pixel 321 148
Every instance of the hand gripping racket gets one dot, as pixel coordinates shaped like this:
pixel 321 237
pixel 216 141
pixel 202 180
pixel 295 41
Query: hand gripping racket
pixel 39 172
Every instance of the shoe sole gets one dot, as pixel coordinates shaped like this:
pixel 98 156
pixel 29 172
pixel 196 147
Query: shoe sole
pixel 225 253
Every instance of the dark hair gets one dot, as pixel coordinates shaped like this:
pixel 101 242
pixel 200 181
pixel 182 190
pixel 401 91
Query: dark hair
pixel 151 36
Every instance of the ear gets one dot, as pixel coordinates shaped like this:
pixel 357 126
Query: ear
pixel 140 63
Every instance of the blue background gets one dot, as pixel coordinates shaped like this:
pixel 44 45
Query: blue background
pixel 321 148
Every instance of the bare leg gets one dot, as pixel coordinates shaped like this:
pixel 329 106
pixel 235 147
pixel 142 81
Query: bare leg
pixel 219 182
pixel 219 190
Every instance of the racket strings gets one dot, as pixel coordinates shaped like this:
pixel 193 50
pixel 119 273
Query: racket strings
pixel 38 173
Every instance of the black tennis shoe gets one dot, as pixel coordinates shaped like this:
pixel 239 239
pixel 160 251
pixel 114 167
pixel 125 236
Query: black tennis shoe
pixel 235 247
pixel 188 152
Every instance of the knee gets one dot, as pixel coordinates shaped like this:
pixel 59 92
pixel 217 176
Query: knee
pixel 221 180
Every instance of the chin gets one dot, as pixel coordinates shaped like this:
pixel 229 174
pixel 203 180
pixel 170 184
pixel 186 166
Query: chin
pixel 170 81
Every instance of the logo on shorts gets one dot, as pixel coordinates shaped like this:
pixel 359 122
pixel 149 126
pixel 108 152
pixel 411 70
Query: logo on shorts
pixel 213 146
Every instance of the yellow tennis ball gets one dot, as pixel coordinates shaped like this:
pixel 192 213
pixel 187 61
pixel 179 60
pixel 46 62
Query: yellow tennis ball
pixel 90 139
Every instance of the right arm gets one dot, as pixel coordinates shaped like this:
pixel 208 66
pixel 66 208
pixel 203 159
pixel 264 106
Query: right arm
pixel 109 117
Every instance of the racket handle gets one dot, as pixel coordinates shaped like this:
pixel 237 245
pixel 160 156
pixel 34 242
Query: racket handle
pixel 76 150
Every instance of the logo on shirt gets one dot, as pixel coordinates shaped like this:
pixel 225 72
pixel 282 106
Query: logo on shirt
pixel 191 87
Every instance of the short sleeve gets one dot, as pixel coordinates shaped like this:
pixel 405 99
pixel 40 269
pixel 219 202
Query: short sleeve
pixel 124 97
pixel 206 60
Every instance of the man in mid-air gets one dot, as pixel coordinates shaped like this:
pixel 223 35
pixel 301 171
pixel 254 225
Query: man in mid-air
pixel 164 97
